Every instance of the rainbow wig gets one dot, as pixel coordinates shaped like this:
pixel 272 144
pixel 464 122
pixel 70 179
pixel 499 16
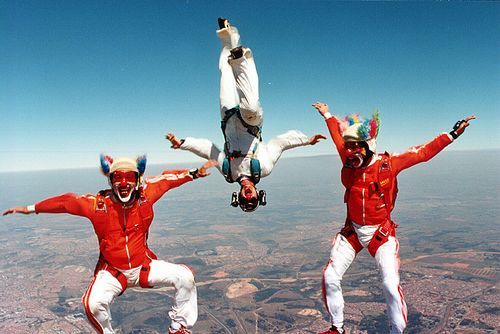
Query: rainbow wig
pixel 366 128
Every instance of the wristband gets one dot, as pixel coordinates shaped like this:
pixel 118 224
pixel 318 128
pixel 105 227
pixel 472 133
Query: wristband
pixel 457 124
pixel 194 173
pixel 31 208
pixel 455 128
pixel 327 115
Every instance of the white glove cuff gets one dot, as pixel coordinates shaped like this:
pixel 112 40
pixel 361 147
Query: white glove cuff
pixel 327 115
pixel 31 208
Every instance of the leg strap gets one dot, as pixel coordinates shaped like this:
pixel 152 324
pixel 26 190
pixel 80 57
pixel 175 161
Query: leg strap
pixel 351 236
pixel 119 276
pixel 144 274
pixel 103 265
pixel 381 235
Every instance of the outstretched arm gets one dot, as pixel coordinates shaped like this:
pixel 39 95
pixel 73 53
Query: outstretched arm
pixel 203 148
pixel 289 140
pixel 333 127
pixel 25 210
pixel 169 179
pixel 66 203
pixel 423 153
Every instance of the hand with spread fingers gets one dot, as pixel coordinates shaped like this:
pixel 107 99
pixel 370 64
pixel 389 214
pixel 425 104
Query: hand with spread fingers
pixel 176 142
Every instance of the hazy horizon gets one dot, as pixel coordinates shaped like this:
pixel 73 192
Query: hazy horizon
pixel 196 160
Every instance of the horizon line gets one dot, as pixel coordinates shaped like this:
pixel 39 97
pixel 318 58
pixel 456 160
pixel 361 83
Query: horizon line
pixel 200 159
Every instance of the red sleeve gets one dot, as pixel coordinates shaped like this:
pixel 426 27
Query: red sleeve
pixel 67 203
pixel 334 128
pixel 421 153
pixel 169 179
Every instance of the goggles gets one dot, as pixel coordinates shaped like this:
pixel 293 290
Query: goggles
pixel 119 177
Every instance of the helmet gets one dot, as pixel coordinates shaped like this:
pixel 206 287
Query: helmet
pixel 248 205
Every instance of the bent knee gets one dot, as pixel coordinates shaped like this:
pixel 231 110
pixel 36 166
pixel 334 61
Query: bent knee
pixel 186 277
pixel 330 277
pixel 97 307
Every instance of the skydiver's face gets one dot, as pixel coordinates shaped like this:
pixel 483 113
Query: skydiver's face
pixel 355 147
pixel 248 197
pixel 124 184
pixel 248 191
pixel 356 154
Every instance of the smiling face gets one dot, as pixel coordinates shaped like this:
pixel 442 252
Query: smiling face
pixel 356 153
pixel 124 183
pixel 248 196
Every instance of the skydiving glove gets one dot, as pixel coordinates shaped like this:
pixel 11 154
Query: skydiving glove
pixel 453 132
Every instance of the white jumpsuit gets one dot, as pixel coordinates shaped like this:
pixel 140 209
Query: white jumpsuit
pixel 387 259
pixel 239 86
pixel 104 288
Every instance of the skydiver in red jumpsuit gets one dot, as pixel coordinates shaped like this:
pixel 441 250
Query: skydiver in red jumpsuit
pixel 371 189
pixel 121 217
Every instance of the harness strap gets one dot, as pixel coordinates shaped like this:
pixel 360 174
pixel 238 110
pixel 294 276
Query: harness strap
pixel 350 234
pixel 254 130
pixel 381 235
pixel 144 274
pixel 118 275
pixel 103 265
pixel 387 183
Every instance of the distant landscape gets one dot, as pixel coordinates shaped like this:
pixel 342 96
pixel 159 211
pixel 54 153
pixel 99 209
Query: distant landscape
pixel 261 272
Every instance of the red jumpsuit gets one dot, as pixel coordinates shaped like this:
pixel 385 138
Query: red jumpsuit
pixel 367 210
pixel 122 233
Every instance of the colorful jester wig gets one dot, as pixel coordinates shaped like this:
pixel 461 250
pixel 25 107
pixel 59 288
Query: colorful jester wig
pixel 355 128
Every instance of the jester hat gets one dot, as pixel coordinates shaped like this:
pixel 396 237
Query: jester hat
pixel 110 165
pixel 355 128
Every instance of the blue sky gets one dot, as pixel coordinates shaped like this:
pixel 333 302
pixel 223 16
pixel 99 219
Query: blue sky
pixel 83 77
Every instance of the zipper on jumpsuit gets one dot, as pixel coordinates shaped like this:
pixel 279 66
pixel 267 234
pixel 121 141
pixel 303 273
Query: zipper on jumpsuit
pixel 126 236
pixel 363 197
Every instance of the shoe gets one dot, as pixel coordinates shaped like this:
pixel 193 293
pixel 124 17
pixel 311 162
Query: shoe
pixel 334 330
pixel 223 23
pixel 236 52
pixel 182 330
pixel 228 34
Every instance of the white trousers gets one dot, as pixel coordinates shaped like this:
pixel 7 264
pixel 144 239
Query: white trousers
pixel 239 82
pixel 387 259
pixel 105 287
